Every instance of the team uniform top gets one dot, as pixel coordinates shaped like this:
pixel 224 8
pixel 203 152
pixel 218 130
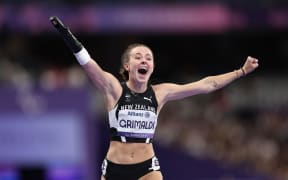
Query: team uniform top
pixel 134 118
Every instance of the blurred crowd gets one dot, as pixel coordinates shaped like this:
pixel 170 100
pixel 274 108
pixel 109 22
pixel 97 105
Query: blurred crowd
pixel 244 125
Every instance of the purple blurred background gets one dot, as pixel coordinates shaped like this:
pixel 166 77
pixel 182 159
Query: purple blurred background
pixel 53 124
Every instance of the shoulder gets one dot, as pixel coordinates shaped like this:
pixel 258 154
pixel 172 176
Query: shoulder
pixel 162 91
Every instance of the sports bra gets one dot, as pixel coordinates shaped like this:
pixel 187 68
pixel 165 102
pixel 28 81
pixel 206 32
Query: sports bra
pixel 134 117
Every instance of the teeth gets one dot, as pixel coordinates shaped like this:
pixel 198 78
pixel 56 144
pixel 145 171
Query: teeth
pixel 143 68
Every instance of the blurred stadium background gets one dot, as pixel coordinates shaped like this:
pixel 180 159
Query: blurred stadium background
pixel 52 122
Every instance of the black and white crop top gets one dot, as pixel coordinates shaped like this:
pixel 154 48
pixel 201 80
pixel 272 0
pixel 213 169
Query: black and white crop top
pixel 134 117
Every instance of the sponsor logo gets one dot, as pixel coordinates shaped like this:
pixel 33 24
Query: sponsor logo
pixel 148 99
pixel 139 114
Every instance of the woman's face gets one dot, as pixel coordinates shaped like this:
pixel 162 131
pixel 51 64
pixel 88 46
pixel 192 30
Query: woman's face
pixel 141 64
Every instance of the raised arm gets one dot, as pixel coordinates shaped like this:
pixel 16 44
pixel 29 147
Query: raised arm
pixel 168 91
pixel 103 80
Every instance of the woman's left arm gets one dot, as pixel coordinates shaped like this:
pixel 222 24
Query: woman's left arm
pixel 170 91
pixel 212 83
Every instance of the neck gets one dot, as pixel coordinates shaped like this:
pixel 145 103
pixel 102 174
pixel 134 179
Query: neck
pixel 136 86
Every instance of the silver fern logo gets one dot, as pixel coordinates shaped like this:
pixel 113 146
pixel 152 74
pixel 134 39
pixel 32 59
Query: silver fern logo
pixel 127 96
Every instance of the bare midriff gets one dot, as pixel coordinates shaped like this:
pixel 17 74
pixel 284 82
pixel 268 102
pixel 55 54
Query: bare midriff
pixel 129 153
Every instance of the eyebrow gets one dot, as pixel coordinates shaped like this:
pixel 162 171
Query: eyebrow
pixel 138 54
pixel 147 54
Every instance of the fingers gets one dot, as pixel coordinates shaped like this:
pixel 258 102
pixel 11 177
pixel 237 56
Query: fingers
pixel 252 60
pixel 250 65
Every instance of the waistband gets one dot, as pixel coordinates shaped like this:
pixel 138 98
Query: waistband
pixel 147 164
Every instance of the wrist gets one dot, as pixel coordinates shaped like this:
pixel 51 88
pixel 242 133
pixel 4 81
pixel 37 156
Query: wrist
pixel 82 56
pixel 243 71
pixel 239 73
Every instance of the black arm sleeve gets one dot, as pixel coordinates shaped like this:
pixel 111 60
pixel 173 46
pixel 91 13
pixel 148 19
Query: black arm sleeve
pixel 70 40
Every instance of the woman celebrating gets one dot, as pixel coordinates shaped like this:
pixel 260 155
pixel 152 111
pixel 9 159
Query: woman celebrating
pixel 133 105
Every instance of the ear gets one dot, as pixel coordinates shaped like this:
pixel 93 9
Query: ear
pixel 126 66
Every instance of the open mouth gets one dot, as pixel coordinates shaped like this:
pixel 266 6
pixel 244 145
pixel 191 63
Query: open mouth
pixel 142 71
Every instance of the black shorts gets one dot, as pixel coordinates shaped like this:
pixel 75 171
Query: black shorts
pixel 113 171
